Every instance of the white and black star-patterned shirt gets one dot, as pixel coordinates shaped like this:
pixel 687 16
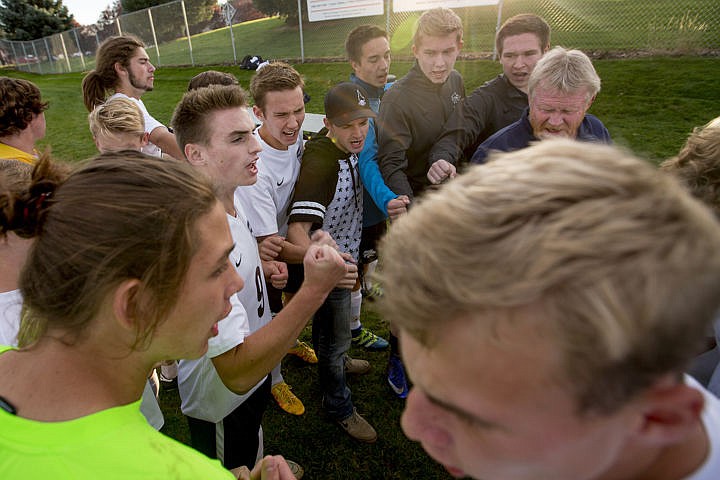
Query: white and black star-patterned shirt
pixel 329 193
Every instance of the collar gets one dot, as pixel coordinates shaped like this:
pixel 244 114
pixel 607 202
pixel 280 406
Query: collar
pixel 371 90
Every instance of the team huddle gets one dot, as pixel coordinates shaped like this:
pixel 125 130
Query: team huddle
pixel 545 290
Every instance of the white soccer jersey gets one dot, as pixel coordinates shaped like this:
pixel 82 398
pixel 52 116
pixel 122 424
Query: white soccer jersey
pixel 202 393
pixel 150 125
pixel 267 201
pixel 10 308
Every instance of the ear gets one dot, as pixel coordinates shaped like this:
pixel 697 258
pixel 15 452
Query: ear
pixel 461 42
pixel 330 127
pixel 125 303
pixel 590 102
pixel 671 411
pixel 194 154
pixel 414 50
pixel 355 65
pixel 119 69
pixel 145 139
pixel 258 113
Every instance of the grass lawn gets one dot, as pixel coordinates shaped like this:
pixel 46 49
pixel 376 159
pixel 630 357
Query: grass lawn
pixel 649 105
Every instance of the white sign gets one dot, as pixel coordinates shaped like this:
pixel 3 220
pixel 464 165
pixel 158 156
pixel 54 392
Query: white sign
pixel 228 12
pixel 414 5
pixel 319 10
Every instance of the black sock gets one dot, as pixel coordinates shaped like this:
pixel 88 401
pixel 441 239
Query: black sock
pixel 394 348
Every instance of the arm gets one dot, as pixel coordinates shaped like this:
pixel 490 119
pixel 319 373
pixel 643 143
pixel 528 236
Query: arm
pixel 299 234
pixel 162 137
pixel 394 139
pixel 241 367
pixel 275 246
pixel 370 172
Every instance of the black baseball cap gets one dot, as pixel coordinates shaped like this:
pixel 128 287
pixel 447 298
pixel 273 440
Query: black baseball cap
pixel 346 102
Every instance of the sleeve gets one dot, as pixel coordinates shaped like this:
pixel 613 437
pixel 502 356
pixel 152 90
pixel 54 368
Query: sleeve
pixel 314 189
pixel 232 330
pixel 150 122
pixel 394 140
pixel 480 155
pixel 463 126
pixel 259 206
pixel 370 172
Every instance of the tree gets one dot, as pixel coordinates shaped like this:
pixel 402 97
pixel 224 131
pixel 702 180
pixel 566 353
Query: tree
pixel 284 8
pixel 110 13
pixel 32 19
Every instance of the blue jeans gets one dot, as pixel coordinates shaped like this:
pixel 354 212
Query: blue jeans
pixel 331 339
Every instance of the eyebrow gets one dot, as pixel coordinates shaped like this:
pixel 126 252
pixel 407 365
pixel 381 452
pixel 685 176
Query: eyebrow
pixel 463 414
pixel 225 256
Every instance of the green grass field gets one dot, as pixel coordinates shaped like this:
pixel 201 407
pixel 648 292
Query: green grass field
pixel 649 105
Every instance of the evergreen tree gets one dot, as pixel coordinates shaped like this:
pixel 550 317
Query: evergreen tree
pixel 32 19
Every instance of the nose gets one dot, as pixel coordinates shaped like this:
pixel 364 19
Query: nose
pixel 421 421
pixel 519 61
pixel 555 118
pixel 151 67
pixel 255 146
pixel 236 281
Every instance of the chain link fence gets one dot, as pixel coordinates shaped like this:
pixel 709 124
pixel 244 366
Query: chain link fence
pixel 599 27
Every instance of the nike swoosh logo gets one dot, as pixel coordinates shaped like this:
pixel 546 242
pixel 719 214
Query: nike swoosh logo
pixel 237 264
pixel 281 182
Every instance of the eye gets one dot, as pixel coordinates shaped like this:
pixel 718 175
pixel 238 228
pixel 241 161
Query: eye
pixel 221 270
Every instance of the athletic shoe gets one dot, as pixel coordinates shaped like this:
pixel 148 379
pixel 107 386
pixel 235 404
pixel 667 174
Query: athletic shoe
pixel 356 366
pixel 368 340
pixel 303 351
pixel 396 376
pixel 286 399
pixel 358 428
pixel 296 469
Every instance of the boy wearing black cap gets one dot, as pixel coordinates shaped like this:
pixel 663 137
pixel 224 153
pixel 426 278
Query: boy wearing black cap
pixel 328 195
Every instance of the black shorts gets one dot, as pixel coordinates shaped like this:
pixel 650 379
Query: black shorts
pixel 369 240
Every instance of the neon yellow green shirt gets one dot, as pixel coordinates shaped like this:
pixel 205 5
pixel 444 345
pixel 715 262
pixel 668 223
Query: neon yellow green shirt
pixel 116 443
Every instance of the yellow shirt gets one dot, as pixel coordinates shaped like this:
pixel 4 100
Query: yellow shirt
pixel 11 153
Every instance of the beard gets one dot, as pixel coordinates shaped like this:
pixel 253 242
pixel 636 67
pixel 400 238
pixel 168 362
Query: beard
pixel 136 83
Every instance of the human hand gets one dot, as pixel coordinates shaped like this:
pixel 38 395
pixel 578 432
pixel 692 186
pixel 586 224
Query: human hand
pixel 270 247
pixel 276 272
pixel 324 267
pixel 398 206
pixel 271 467
pixel 321 237
pixel 440 171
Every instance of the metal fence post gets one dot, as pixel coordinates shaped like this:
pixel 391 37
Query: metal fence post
pixel 49 53
pixel 187 31
pixel 152 29
pixel 117 21
pixel 38 57
pixel 67 59
pixel 302 43
pixel 497 27
pixel 77 42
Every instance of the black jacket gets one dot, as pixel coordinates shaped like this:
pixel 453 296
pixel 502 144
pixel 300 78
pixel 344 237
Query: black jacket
pixel 489 108
pixel 412 114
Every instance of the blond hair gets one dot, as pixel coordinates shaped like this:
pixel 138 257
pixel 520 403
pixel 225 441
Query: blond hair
pixel 698 164
pixel 438 22
pixel 565 70
pixel 117 116
pixel 622 264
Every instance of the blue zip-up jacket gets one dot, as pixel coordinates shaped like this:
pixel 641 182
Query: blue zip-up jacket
pixel 519 135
